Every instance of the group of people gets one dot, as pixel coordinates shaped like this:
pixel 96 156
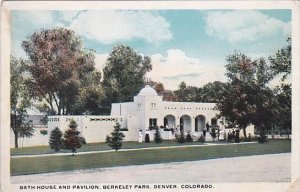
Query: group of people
pixel 233 136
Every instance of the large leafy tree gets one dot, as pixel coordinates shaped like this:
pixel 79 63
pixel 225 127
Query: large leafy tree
pixel 124 74
pixel 281 61
pixel 59 66
pixel 186 93
pixel 211 92
pixel 281 66
pixel 19 101
pixel 247 99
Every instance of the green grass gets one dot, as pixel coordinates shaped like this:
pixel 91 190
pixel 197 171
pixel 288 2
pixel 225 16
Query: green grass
pixel 94 147
pixel 32 165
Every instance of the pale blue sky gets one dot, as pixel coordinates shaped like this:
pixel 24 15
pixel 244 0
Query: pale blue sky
pixel 185 45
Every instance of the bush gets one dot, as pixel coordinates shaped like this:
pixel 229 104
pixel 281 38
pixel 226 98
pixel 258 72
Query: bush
pixel 152 127
pixel 157 136
pixel 44 132
pixel 213 134
pixel 107 139
pixel 180 138
pixel 237 136
pixel 189 138
pixel 124 129
pixel 147 138
pixel 83 141
pixel 201 139
pixel 262 139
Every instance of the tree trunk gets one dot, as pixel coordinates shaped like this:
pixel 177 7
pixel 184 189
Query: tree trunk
pixel 16 140
pixel 245 134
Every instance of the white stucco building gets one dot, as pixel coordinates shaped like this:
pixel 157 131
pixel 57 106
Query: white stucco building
pixel 140 117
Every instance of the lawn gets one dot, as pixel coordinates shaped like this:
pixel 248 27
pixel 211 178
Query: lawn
pixel 32 165
pixel 94 147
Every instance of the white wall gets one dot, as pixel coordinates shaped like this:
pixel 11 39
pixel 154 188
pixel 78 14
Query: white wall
pixel 37 139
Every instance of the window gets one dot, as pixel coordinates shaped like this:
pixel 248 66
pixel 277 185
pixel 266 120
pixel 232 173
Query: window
pixel 153 105
pixel 152 122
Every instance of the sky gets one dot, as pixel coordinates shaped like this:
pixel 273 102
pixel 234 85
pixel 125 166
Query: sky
pixel 184 45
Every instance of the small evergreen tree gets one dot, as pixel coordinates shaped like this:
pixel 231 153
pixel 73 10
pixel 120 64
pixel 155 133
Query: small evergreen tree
pixel 72 140
pixel 157 136
pixel 189 138
pixel 180 138
pixel 147 138
pixel 213 134
pixel 116 138
pixel 201 139
pixel 56 141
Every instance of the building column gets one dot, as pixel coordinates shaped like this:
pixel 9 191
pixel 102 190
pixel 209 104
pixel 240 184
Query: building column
pixel 193 124
pixel 177 123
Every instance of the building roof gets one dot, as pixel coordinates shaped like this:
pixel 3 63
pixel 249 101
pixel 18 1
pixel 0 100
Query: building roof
pixel 147 91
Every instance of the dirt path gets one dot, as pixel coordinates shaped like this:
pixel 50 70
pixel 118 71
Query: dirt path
pixel 260 168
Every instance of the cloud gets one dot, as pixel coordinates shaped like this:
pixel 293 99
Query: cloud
pixel 176 66
pixel 26 23
pixel 100 60
pixel 110 26
pixel 178 77
pixel 244 26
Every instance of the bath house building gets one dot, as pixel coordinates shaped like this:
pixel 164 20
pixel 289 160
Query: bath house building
pixel 138 118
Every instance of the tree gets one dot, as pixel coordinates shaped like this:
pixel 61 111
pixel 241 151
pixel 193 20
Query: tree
pixel 58 67
pixel 56 141
pixel 19 101
pixel 211 92
pixel 201 139
pixel 124 74
pixel 116 138
pixel 181 92
pixel 281 65
pixel 90 98
pixel 180 138
pixel 147 138
pixel 213 133
pixel 189 138
pixel 157 136
pixel 240 103
pixel 26 130
pixel 281 62
pixel 72 139
pixel 283 96
pixel 159 88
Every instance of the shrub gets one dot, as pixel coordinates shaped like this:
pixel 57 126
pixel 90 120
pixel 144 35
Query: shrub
pixel 44 132
pixel 180 138
pixel 213 134
pixel 157 136
pixel 201 139
pixel 107 139
pixel 147 138
pixel 262 139
pixel 124 129
pixel 237 136
pixel 55 140
pixel 83 141
pixel 189 138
